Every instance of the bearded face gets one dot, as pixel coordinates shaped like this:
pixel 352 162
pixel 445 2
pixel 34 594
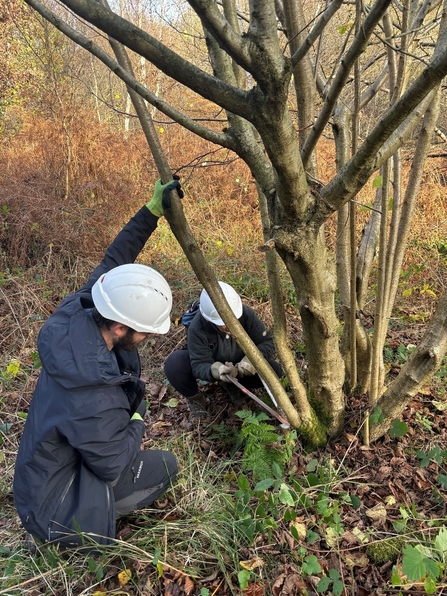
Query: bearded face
pixel 130 340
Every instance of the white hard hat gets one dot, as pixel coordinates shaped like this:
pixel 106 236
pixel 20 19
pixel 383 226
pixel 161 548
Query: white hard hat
pixel 208 310
pixel 135 295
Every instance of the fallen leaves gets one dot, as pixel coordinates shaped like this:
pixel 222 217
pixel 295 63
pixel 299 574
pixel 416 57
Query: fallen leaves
pixel 377 513
pixel 124 577
pixel 176 583
pixel 353 559
pixel 255 589
pixel 289 583
pixel 300 529
pixel 156 390
pixel 252 564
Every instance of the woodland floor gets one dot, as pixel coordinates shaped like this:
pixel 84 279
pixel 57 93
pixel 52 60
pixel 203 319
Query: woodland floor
pixel 49 248
pixel 387 474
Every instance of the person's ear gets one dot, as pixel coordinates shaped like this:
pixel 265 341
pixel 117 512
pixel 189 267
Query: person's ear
pixel 119 329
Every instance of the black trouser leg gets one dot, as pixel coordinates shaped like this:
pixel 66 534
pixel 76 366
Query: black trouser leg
pixel 146 480
pixel 178 371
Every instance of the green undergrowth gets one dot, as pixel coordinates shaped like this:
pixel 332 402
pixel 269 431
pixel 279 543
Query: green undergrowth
pixel 219 522
pixel 248 498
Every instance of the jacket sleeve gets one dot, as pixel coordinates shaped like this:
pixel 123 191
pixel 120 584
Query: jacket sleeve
pixel 200 354
pixel 127 245
pixel 258 332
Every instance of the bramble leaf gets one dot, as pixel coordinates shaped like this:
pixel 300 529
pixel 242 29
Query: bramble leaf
pixel 441 541
pixel 416 563
pixel 323 584
pixel 311 566
pixel 398 429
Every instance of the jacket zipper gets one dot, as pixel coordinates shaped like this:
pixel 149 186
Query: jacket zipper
pixel 111 510
pixel 62 499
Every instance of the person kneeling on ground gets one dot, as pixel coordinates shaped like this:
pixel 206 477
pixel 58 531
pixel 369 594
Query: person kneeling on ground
pixel 79 464
pixel 211 353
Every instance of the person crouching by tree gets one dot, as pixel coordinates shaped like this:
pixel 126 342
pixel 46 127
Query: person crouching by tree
pixel 211 353
pixel 79 464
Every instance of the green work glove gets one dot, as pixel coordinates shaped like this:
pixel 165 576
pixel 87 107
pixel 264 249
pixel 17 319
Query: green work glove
pixel 162 196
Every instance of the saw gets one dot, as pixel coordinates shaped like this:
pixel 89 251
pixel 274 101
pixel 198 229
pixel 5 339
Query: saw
pixel 284 423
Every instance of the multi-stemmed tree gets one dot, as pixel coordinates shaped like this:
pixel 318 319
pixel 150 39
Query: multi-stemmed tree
pixel 286 73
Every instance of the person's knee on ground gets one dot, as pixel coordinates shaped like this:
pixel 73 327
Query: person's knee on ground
pixel 177 369
pixel 150 476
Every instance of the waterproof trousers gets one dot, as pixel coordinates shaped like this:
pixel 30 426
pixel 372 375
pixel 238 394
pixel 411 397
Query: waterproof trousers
pixel 146 480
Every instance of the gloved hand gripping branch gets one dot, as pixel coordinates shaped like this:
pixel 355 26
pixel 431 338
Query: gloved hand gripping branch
pixel 245 368
pixel 161 199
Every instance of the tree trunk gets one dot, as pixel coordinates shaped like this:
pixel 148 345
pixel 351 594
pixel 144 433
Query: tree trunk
pixel 422 363
pixel 313 275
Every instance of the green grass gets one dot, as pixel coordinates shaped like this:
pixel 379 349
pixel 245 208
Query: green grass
pixel 196 534
pixel 221 527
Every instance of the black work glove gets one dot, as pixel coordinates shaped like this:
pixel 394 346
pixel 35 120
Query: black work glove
pixel 141 410
pixel 166 201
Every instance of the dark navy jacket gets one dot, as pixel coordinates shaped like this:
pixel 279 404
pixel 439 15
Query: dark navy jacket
pixel 78 437
pixel 224 348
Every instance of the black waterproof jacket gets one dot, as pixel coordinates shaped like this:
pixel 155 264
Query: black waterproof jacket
pixel 206 344
pixel 78 437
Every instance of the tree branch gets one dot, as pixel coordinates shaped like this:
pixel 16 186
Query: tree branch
pixel 227 38
pixel 162 57
pixel 316 31
pixel 339 81
pixel 423 362
pixel 355 173
pixel 130 80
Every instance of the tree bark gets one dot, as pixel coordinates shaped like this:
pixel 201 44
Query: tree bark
pixel 422 363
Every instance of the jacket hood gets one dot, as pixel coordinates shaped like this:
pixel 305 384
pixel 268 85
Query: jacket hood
pixel 73 351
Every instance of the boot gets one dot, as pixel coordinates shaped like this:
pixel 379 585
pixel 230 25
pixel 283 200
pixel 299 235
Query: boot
pixel 31 543
pixel 234 393
pixel 197 407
